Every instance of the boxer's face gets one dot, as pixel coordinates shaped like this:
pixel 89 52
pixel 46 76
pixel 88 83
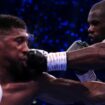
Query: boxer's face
pixel 13 46
pixel 96 29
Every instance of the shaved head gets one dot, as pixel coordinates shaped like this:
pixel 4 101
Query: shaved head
pixel 100 6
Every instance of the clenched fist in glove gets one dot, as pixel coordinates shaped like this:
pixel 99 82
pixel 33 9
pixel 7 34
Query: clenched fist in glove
pixel 37 62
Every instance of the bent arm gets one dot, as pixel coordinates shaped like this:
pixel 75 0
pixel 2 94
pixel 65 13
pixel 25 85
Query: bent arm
pixel 86 58
pixel 64 91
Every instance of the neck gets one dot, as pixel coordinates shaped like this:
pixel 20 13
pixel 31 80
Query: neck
pixel 13 72
pixel 5 76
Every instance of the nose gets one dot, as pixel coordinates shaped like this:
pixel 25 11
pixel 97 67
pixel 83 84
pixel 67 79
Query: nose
pixel 25 48
pixel 91 29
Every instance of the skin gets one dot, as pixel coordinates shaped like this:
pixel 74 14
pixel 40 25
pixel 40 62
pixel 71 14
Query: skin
pixel 94 55
pixel 70 91
pixel 13 47
pixel 96 25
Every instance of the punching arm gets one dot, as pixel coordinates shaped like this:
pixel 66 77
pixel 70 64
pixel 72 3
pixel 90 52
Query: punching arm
pixel 63 91
pixel 86 58
pixel 92 57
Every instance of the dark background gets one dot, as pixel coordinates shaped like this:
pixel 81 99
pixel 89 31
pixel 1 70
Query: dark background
pixel 55 25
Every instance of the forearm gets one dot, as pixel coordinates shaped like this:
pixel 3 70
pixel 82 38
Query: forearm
pixel 92 57
pixel 64 91
pixel 82 59
pixel 86 58
pixel 61 91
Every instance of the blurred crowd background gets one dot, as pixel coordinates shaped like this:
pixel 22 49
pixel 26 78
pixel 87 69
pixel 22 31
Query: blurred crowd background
pixel 53 24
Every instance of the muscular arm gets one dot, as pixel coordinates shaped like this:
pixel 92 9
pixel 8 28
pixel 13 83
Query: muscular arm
pixel 91 57
pixel 59 91
pixel 86 58
pixel 53 90
pixel 64 91
pixel 19 93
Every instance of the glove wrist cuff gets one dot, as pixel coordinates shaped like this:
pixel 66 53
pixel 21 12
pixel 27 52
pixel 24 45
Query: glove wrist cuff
pixel 57 61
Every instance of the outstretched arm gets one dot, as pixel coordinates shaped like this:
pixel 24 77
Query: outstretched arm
pixel 91 57
pixel 64 91
pixel 86 58
pixel 53 90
